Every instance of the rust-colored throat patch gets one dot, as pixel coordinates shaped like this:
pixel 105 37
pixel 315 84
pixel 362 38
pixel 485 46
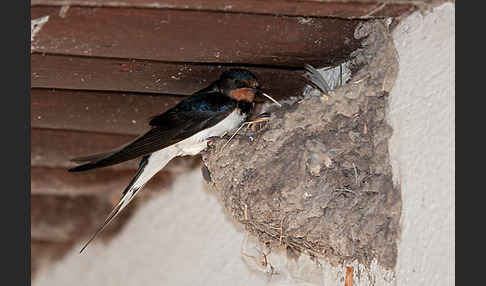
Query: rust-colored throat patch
pixel 244 94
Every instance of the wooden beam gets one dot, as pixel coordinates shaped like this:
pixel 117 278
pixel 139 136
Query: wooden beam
pixel 102 74
pixel 363 9
pixel 71 218
pixel 102 182
pixel 194 36
pixel 105 112
pixel 54 149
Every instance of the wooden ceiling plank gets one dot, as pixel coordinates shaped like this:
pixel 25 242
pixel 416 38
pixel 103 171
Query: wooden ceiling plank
pixel 309 8
pixel 55 148
pixel 67 218
pixel 123 75
pixel 103 182
pixel 193 36
pixel 104 112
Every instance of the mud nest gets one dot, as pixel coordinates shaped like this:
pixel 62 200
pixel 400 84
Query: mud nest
pixel 316 178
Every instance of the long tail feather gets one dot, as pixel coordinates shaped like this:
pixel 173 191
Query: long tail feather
pixel 129 192
pixel 149 166
pixel 110 217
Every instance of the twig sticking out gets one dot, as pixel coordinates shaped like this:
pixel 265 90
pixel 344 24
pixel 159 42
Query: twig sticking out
pixel 245 124
pixel 269 97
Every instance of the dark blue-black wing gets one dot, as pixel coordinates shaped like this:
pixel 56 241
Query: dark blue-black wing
pixel 191 115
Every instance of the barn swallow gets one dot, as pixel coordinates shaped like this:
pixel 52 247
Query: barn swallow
pixel 185 129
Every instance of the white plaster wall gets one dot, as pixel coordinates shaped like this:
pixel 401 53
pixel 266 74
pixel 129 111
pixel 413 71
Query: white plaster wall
pixel 422 147
pixel 161 245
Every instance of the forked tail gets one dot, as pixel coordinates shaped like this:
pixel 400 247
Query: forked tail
pixel 149 166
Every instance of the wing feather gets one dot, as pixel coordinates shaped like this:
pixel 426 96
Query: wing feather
pixel 190 116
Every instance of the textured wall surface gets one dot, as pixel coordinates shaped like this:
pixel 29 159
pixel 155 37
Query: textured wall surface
pixel 160 246
pixel 422 147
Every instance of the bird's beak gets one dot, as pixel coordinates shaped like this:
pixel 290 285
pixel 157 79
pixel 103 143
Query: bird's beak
pixel 268 96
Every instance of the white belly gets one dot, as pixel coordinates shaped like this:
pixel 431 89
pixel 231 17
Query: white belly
pixel 189 146
pixel 198 142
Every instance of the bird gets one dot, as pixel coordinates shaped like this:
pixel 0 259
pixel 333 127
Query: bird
pixel 184 129
pixel 315 79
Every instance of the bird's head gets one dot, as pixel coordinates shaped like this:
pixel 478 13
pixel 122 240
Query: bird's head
pixel 240 84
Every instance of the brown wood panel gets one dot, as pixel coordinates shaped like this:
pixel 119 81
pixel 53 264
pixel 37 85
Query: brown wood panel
pixel 316 8
pixel 392 10
pixel 66 218
pixel 105 112
pixel 85 73
pixel 194 36
pixel 55 148
pixel 103 182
